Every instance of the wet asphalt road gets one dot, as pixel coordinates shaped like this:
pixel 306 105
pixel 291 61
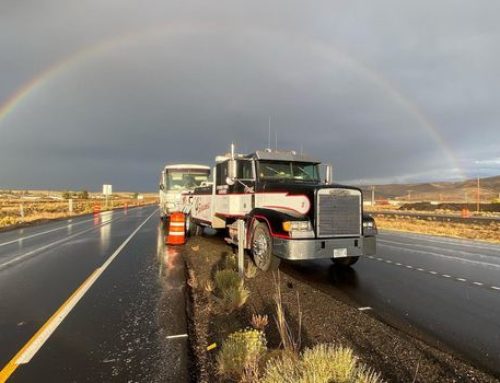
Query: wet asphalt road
pixel 437 288
pixel 443 289
pixel 121 328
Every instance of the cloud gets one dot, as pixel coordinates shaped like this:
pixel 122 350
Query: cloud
pixel 380 97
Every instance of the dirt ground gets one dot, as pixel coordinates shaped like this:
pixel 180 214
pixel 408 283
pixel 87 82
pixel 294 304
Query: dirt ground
pixel 396 355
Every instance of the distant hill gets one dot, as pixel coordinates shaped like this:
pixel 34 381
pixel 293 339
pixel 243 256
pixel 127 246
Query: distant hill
pixel 438 191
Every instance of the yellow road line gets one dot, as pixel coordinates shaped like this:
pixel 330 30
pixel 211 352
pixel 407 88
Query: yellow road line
pixel 10 367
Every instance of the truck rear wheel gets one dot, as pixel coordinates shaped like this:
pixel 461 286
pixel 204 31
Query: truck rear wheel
pixel 262 246
pixel 347 261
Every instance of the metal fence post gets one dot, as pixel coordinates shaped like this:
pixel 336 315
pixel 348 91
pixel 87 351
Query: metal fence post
pixel 21 211
pixel 241 247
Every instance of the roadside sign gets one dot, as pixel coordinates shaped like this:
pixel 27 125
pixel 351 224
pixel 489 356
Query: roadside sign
pixel 107 190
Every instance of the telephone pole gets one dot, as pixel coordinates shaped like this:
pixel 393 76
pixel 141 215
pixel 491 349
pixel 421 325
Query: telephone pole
pixel 478 196
pixel 373 196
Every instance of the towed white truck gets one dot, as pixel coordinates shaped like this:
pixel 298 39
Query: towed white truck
pixel 289 211
pixel 176 179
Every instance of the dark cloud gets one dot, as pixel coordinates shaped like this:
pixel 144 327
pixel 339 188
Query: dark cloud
pixel 383 91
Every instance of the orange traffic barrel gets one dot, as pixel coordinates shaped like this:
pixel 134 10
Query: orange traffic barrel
pixel 97 209
pixel 176 229
pixel 465 213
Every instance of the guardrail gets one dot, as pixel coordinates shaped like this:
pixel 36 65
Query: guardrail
pixel 437 217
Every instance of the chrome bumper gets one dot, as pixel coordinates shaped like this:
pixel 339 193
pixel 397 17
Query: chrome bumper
pixel 300 249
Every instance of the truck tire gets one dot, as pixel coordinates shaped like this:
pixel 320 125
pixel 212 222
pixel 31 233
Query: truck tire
pixel 346 262
pixel 262 246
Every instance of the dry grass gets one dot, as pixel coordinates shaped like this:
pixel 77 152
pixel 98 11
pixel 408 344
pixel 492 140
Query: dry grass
pixel 239 357
pixel 490 232
pixel 322 363
pixel 230 290
pixel 35 210
pixel 289 341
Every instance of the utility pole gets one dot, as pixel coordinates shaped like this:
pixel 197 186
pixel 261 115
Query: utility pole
pixel 478 196
pixel 409 195
pixel 373 196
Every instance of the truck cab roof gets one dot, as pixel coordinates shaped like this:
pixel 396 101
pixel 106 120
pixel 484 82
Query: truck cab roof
pixel 271 155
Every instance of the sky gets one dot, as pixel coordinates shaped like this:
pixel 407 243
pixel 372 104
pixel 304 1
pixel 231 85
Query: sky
pixel 95 92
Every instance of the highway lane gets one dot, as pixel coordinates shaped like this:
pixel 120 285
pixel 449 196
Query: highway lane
pixel 114 332
pixel 440 289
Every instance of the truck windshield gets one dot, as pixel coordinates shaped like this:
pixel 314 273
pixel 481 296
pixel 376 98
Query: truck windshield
pixel 289 170
pixel 180 180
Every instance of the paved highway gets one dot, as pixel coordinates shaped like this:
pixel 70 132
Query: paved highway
pixel 90 299
pixel 442 289
pixel 101 299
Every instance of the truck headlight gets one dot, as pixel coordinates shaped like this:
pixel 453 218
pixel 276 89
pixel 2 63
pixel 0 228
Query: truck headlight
pixel 369 227
pixel 299 229
pixel 297 226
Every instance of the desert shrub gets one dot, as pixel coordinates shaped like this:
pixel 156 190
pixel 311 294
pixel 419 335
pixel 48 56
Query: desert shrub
pixel 84 194
pixel 259 322
pixel 234 298
pixel 227 279
pixel 240 354
pixel 231 262
pixel 281 369
pixel 230 290
pixel 320 364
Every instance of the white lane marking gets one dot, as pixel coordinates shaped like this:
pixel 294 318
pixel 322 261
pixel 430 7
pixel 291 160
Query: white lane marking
pixel 464 260
pixel 44 232
pixel 379 259
pixel 49 329
pixel 177 336
pixel 434 273
pixel 366 308
pixel 65 239
pixel 443 240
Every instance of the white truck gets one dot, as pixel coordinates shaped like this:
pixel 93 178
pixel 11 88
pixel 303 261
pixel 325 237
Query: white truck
pixel 288 210
pixel 176 179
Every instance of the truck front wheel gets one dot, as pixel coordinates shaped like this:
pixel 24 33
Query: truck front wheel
pixel 262 247
pixel 347 261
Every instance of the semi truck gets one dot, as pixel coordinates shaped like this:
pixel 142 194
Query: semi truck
pixel 176 179
pixel 290 211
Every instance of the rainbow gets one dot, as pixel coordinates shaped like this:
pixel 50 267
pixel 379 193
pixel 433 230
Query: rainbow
pixel 327 50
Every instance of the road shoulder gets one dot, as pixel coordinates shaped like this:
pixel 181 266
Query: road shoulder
pixel 396 355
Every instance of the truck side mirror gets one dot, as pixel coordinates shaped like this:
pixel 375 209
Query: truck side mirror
pixel 230 181
pixel 162 187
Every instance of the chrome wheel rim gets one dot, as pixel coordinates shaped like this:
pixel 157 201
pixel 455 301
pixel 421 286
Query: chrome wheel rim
pixel 260 249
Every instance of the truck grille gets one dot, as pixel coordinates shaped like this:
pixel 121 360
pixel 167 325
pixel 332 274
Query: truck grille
pixel 339 213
